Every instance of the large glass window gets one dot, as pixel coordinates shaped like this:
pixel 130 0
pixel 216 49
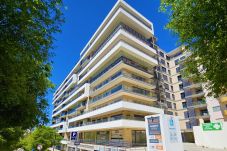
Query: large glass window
pixel 184 105
pixel 176 62
pixel 216 108
pixel 138 138
pixel 161 54
pixel 102 137
pixel 182 95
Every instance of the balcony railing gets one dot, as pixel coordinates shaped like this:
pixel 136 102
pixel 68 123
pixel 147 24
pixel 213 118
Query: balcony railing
pixel 197 104
pixel 126 89
pixel 194 94
pixel 76 108
pixel 127 29
pixel 78 95
pixel 125 60
pixel 104 120
pixel 123 74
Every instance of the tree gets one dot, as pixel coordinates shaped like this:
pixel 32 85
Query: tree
pixel 202 27
pixel 45 136
pixel 9 137
pixel 26 29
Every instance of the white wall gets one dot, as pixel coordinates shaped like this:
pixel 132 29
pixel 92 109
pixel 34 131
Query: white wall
pixel 211 139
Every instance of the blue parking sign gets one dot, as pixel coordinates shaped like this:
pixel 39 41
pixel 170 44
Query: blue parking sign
pixel 74 136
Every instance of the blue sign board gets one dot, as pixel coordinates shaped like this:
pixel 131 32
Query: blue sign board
pixel 154 126
pixel 74 136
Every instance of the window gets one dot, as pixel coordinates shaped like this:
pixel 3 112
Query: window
pixel 163 69
pixel 179 78
pixel 166 86
pixel 167 64
pixel 176 62
pixel 174 105
pixel 182 95
pixel 188 125
pixel 178 69
pixel 186 114
pixel 138 137
pixel 181 86
pixel 165 77
pixel 162 61
pixel 167 58
pixel 161 54
pixel 169 72
pixel 170 79
pixel 167 95
pixel 172 88
pixel 182 58
pixel 173 96
pixel 216 108
pixel 169 104
pixel 184 105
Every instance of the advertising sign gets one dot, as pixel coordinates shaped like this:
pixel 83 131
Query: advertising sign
pixel 154 134
pixel 163 133
pixel 212 126
pixel 172 130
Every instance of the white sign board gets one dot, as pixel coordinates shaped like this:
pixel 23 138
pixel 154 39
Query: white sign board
pixel 163 133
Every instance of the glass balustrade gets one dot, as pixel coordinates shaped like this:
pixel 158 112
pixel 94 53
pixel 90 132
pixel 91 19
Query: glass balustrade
pixel 107 120
pixel 123 88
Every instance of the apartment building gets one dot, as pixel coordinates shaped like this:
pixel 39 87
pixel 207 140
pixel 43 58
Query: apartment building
pixel 121 77
pixel 184 98
pixel 112 87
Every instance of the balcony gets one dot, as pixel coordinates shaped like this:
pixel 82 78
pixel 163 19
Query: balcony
pixel 121 59
pixel 197 104
pixel 127 89
pixel 196 94
pixel 70 103
pixel 117 105
pixel 76 108
pixel 192 86
pixel 201 116
pixel 109 123
pixel 128 77
pixel 120 27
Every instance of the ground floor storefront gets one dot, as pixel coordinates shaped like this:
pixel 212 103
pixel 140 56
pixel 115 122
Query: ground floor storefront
pixel 119 139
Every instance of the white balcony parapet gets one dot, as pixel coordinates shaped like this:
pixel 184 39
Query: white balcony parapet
pixel 121 123
pixel 116 107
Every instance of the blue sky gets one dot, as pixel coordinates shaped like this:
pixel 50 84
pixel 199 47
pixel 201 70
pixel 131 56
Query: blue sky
pixel 83 17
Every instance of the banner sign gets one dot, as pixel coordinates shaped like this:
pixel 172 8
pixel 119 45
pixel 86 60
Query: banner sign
pixel 212 126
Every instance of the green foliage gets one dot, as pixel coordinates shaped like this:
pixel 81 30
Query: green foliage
pixel 45 136
pixel 202 26
pixel 9 137
pixel 26 29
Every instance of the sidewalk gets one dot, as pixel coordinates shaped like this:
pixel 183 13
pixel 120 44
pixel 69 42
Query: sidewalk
pixel 193 147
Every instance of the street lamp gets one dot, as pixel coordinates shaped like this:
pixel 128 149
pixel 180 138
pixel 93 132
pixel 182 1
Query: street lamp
pixel 39 147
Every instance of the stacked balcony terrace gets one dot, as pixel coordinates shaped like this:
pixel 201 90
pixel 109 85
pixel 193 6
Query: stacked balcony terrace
pixel 115 83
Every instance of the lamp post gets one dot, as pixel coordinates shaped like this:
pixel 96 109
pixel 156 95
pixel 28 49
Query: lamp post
pixel 39 147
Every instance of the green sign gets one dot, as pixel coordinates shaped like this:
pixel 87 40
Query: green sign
pixel 212 126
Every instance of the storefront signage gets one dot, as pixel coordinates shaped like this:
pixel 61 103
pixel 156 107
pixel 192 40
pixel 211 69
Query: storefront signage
pixel 163 133
pixel 212 126
pixel 154 131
